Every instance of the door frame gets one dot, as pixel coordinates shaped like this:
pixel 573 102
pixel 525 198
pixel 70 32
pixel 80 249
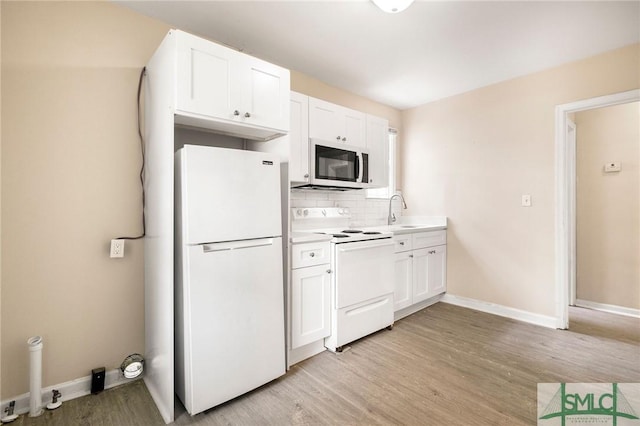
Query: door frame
pixel 571 140
pixel 565 165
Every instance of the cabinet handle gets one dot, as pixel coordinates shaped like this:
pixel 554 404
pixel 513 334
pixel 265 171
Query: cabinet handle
pixel 246 114
pixel 236 112
pixel 306 176
pixel 344 139
pixel 401 243
pixel 410 255
pixel 312 254
pixel 329 271
pixel 432 252
pixel 338 138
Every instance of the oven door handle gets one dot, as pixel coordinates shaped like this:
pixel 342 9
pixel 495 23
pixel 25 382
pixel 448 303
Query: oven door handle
pixel 373 243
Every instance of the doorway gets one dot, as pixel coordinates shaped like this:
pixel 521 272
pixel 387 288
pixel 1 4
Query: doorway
pixel 565 213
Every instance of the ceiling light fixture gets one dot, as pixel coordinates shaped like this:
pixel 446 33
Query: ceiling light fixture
pixel 392 6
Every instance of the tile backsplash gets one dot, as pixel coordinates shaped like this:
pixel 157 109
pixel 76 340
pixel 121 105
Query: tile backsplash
pixel 364 211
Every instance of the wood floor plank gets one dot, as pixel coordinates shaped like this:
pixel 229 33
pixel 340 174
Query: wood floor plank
pixel 445 365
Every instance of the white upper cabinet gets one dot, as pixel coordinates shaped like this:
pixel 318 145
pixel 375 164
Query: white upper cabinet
pixel 378 146
pixel 336 123
pixel 231 89
pixel 299 138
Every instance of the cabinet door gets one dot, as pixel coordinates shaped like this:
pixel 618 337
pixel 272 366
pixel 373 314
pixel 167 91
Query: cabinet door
pixel 206 82
pixel 403 280
pixel 420 275
pixel 378 146
pixel 324 119
pixel 265 93
pixel 437 270
pixel 354 125
pixel 310 304
pixel 299 138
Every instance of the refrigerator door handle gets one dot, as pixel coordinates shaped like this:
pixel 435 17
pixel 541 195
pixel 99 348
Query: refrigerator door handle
pixel 236 245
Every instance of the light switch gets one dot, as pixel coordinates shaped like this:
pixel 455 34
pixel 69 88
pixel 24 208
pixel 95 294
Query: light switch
pixel 612 167
pixel 526 200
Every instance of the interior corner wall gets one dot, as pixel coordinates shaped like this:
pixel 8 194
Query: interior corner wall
pixel 70 165
pixel 472 156
pixel 608 204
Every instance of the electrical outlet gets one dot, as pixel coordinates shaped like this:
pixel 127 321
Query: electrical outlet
pixel 117 248
pixel 526 200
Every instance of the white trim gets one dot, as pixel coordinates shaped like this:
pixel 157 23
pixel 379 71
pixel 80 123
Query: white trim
pixel 69 390
pixel 571 145
pixel 613 309
pixel 563 248
pixel 307 351
pixel 500 310
pixel 409 310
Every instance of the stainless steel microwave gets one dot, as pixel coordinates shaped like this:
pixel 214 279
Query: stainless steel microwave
pixel 335 165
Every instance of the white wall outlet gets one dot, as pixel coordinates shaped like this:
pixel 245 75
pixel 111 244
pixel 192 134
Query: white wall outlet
pixel 117 248
pixel 526 200
pixel 612 167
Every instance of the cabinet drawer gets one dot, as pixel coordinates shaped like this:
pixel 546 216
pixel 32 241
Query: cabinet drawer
pixel 309 254
pixel 403 242
pixel 429 239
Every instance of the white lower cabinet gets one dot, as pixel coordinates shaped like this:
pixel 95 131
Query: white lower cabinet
pixel 403 292
pixel 420 272
pixel 310 293
pixel 310 305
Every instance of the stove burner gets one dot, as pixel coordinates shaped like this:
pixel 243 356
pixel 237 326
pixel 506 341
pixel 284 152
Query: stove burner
pixel 372 233
pixel 340 236
pixel 352 231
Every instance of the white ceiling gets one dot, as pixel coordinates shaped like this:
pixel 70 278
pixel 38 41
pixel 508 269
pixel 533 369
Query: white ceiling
pixel 430 51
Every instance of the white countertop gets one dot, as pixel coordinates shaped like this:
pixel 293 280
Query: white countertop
pixel 410 224
pixel 404 225
pixel 307 237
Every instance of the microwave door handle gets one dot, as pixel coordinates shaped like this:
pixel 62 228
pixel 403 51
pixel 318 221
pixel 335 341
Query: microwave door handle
pixel 359 168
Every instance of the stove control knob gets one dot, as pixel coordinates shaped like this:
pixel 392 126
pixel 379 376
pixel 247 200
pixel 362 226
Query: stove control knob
pixel 299 212
pixel 305 212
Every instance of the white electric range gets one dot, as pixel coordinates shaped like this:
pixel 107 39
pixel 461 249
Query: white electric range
pixel 362 262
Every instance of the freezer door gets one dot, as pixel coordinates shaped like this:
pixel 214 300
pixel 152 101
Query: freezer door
pixel 234 321
pixel 227 194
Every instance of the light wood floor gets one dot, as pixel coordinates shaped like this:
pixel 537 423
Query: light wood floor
pixel 445 365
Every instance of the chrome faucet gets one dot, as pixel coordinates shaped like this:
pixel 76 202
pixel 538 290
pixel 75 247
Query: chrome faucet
pixel 392 217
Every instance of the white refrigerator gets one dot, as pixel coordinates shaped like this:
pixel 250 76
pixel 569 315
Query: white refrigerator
pixel 229 279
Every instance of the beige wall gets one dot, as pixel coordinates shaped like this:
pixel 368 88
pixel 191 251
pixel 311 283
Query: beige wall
pixel 608 220
pixel 70 164
pixel 472 156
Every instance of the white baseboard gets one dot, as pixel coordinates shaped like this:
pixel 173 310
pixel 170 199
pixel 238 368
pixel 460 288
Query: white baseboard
pixel 613 309
pixel 294 356
pixel 69 390
pixel 398 315
pixel 503 311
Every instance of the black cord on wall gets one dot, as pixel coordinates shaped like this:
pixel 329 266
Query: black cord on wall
pixel 144 226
